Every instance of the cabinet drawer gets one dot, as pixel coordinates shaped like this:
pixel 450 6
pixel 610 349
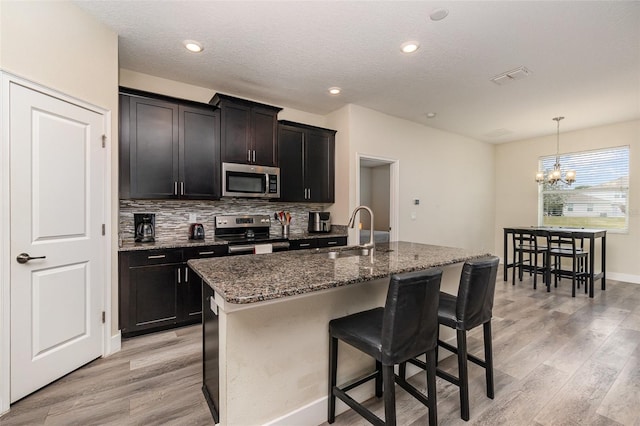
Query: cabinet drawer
pixel 332 242
pixel 155 257
pixel 303 244
pixel 204 251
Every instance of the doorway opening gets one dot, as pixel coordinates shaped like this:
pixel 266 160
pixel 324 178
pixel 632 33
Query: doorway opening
pixel 378 189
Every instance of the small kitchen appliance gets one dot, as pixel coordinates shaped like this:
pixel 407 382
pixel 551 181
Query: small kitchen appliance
pixel 246 233
pixel 250 180
pixel 144 225
pixel 196 231
pixel 319 222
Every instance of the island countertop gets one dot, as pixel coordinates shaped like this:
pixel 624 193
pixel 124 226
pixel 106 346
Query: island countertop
pixel 255 278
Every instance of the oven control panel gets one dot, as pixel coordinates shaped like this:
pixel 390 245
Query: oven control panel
pixel 242 221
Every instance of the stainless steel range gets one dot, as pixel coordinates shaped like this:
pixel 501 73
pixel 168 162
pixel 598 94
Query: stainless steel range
pixel 244 232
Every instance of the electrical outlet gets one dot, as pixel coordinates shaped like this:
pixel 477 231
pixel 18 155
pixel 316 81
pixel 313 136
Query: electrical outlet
pixel 192 217
pixel 413 215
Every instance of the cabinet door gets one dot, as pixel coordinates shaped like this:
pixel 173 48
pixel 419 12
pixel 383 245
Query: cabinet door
pixel 308 243
pixel 291 161
pixel 264 125
pixel 319 166
pixel 236 123
pixel 153 148
pixel 191 292
pixel 199 153
pixel 153 297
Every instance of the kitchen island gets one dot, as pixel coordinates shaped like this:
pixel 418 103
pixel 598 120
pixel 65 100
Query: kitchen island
pixel 272 317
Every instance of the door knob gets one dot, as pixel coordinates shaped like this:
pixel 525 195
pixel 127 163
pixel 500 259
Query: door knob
pixel 24 258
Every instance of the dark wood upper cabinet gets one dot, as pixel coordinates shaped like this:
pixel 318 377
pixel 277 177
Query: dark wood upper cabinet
pixel 248 131
pixel 199 153
pixel 307 163
pixel 168 148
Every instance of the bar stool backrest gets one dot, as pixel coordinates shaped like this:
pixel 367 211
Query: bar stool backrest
pixel 410 320
pixel 566 240
pixel 475 294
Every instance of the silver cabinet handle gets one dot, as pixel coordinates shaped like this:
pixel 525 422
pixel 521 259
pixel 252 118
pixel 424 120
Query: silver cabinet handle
pixel 179 275
pixel 181 188
pixel 186 274
pixel 249 155
pixel 309 194
pixel 157 256
pixel 175 188
pixel 330 243
pixel 254 155
pixel 203 253
pixel 305 245
pixel 24 257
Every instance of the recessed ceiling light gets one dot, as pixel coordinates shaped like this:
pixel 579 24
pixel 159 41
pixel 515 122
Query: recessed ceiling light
pixel 409 46
pixel 193 46
pixel 334 90
pixel 438 14
pixel 431 114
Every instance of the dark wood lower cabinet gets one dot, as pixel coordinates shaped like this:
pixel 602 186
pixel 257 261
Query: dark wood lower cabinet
pixel 157 289
pixel 319 242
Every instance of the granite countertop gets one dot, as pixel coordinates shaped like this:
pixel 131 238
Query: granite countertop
pixel 130 245
pixel 255 278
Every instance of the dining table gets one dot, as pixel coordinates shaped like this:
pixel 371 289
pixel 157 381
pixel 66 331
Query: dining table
pixel 590 235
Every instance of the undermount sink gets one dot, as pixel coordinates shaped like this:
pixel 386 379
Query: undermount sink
pixel 348 253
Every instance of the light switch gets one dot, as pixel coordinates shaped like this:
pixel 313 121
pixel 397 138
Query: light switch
pixel 413 215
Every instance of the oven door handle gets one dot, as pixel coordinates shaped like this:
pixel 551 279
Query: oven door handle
pixel 241 249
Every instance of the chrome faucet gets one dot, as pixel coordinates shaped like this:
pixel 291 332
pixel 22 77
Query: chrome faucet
pixel 370 244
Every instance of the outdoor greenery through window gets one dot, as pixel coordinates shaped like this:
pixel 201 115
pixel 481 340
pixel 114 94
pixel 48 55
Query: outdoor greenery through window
pixel 599 196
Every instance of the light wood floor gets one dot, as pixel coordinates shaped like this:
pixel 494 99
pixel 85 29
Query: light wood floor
pixel 558 361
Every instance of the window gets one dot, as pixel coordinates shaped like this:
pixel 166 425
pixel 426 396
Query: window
pixel 599 196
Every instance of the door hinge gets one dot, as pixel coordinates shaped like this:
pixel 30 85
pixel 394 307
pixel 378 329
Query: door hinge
pixel 103 229
pixel 104 141
pixel 104 317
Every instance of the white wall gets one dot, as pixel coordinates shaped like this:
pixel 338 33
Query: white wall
pixel 452 176
pixel 517 191
pixel 177 89
pixel 380 199
pixel 366 195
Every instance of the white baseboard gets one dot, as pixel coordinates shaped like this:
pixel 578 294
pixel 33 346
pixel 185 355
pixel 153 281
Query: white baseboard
pixel 315 413
pixel 627 278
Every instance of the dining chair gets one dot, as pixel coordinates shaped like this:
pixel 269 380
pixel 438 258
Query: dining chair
pixel 531 254
pixel 566 245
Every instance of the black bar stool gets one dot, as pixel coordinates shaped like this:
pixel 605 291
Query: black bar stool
pixel 565 245
pixel 527 250
pixel 472 307
pixel 406 327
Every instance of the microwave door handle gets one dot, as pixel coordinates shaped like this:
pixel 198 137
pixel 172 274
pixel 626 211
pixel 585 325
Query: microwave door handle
pixel 266 183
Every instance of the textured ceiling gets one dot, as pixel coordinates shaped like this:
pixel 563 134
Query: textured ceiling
pixel 584 57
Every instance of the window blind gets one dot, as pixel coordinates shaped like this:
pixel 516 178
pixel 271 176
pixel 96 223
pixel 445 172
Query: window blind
pixel 599 196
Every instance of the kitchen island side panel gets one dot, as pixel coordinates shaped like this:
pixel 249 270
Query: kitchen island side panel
pixel 274 357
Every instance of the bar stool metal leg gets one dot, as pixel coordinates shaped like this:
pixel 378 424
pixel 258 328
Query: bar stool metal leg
pixel 333 372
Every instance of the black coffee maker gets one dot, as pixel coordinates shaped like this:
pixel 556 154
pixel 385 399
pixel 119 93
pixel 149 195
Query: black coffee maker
pixel 144 224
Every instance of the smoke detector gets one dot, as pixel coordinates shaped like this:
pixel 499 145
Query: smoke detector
pixel 509 76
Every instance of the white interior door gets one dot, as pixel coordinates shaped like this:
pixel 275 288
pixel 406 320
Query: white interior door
pixel 57 198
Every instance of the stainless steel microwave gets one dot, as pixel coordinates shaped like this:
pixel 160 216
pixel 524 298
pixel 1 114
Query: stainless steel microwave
pixel 247 180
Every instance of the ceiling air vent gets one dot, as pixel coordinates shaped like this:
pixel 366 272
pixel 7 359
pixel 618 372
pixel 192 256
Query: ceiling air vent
pixel 509 76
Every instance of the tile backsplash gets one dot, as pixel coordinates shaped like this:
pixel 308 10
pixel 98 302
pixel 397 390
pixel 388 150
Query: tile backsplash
pixel 172 216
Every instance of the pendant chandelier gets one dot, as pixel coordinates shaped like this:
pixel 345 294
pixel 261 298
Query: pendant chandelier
pixel 555 175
